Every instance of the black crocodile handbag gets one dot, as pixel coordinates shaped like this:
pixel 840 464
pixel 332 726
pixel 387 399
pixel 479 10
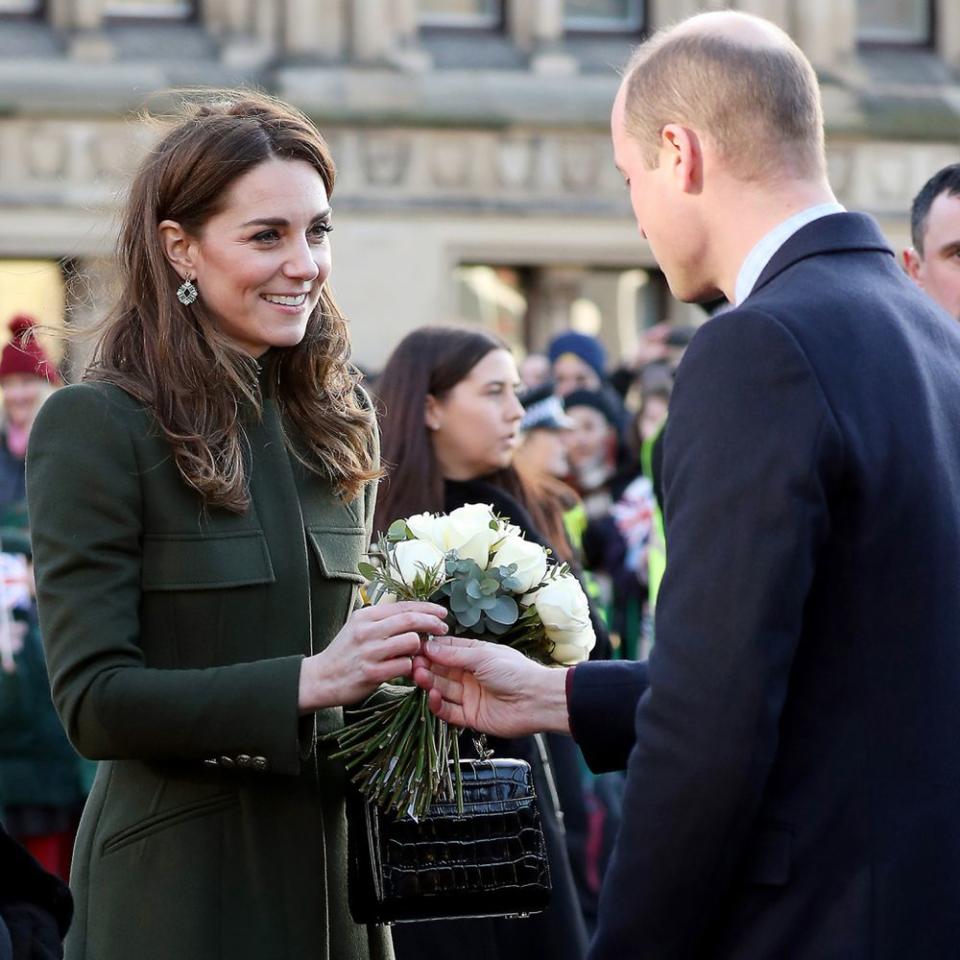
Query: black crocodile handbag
pixel 489 861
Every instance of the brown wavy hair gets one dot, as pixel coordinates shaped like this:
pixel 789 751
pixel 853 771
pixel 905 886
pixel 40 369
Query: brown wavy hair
pixel 176 361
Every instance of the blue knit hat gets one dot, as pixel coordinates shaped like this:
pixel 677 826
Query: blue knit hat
pixel 588 349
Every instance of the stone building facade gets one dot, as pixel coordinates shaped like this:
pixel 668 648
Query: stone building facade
pixel 476 177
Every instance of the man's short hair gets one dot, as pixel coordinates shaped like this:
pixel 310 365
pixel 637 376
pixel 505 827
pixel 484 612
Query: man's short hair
pixel 946 181
pixel 760 105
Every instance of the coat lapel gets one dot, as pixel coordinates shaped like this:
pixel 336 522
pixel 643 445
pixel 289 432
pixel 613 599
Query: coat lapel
pixel 836 233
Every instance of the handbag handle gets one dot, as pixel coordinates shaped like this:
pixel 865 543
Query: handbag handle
pixel 480 745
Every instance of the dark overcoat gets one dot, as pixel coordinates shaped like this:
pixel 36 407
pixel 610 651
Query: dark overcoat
pixel 174 636
pixel 793 780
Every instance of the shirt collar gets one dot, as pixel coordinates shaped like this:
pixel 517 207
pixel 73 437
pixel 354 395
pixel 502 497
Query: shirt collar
pixel 763 251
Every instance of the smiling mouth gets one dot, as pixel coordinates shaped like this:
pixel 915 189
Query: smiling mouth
pixel 295 300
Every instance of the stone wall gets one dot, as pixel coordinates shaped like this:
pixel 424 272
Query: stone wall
pixel 473 148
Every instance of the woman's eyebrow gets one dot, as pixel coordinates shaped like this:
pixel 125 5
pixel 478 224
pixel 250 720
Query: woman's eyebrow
pixel 282 221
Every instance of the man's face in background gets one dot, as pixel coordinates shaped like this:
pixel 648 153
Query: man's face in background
pixel 937 269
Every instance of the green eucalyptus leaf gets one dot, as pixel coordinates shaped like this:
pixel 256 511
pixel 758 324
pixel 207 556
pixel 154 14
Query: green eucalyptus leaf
pixel 512 584
pixel 504 611
pixel 470 618
pixel 459 600
pixel 497 629
pixel 489 586
pixel 367 570
pixel 460 606
pixel 398 531
pixel 473 590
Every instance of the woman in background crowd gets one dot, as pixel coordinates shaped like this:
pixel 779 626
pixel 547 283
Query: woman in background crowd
pixel 541 461
pixel 43 782
pixel 27 377
pixel 450 421
pixel 592 448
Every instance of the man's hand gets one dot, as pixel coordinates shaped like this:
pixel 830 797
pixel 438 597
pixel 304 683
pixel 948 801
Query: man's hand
pixel 491 688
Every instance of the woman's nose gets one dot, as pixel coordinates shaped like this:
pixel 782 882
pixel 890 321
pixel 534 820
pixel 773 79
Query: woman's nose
pixel 302 264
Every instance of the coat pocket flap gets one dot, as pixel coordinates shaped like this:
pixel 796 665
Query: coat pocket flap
pixel 339 550
pixel 205 563
pixel 769 856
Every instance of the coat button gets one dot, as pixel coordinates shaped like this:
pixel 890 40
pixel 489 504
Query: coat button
pixel 243 760
pixel 227 762
pixel 259 764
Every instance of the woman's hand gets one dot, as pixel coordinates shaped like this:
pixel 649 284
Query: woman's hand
pixel 375 644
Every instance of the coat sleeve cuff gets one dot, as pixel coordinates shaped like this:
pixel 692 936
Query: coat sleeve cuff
pixel 602 699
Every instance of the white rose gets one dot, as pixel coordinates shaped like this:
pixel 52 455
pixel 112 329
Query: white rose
pixel 509 531
pixel 563 609
pixel 427 527
pixel 530 558
pixel 571 653
pixel 415 558
pixel 468 532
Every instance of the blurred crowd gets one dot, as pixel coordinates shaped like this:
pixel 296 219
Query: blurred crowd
pixel 601 457
pixel 43 782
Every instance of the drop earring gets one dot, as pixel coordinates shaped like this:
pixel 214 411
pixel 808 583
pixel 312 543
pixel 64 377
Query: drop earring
pixel 187 292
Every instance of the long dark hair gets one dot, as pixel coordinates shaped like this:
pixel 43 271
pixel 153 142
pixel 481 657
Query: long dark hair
pixel 428 361
pixel 175 360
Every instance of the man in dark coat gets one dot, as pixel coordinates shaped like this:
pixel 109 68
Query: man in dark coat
pixel 793 783
pixel 932 261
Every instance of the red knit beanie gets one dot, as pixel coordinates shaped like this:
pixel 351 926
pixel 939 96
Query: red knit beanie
pixel 24 355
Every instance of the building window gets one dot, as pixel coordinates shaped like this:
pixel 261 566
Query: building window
pixel 150 9
pixel 461 13
pixel 900 22
pixel 604 16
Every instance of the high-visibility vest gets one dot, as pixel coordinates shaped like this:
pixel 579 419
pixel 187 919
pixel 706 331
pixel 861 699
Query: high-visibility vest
pixel 575 522
pixel 657 550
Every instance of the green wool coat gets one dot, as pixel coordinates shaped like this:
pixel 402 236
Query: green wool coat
pixel 174 635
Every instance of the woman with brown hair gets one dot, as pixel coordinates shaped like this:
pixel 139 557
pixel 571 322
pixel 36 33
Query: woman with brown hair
pixel 200 503
pixel 450 419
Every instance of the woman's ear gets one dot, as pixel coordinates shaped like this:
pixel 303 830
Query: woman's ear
pixel 178 248
pixel 431 413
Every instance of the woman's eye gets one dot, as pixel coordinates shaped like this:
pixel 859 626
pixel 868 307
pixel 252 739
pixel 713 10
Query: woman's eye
pixel 320 230
pixel 266 236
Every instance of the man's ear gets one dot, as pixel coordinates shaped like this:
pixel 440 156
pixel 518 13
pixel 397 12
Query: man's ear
pixel 178 248
pixel 681 149
pixel 431 413
pixel 912 264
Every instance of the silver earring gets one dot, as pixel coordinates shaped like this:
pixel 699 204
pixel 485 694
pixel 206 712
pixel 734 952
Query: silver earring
pixel 187 292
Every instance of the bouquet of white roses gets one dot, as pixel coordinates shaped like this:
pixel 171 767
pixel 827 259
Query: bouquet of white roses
pixel 496 586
